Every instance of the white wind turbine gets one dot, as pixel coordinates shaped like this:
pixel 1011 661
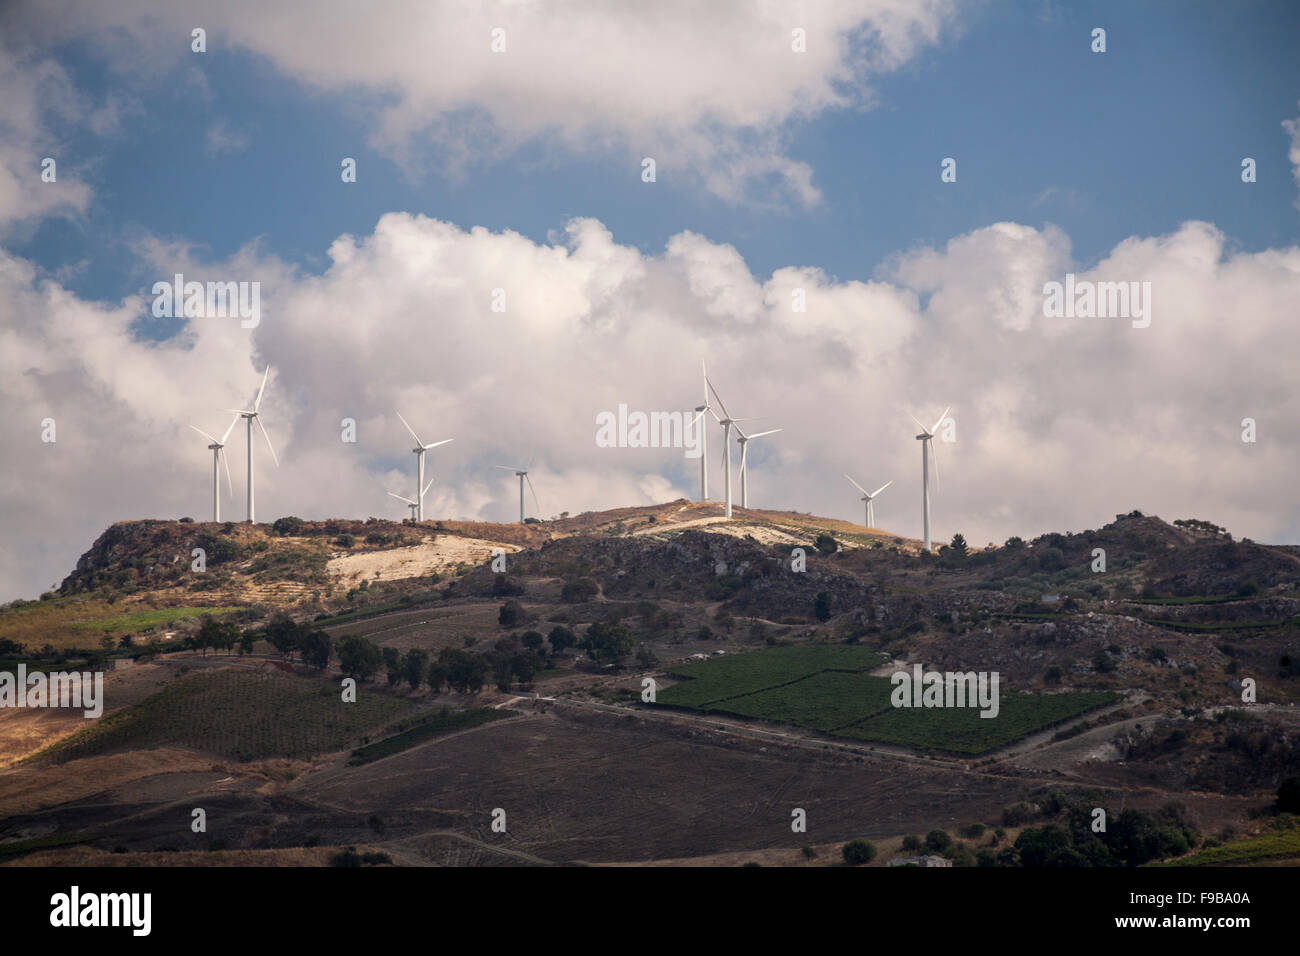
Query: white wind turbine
pixel 413 505
pixel 217 445
pixel 254 415
pixel 744 441
pixel 924 438
pixel 522 473
pixel 867 496
pixel 700 411
pixel 726 424
pixel 419 449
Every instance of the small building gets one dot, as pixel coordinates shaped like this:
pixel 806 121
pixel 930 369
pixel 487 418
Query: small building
pixel 1051 598
pixel 924 861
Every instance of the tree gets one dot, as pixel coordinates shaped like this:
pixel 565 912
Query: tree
pixel 560 638
pixel 359 657
pixel 1288 795
pixel 826 544
pixel 437 676
pixel 858 852
pixel 608 642
pixel 393 664
pixel 911 842
pixel 282 632
pixel 415 665
pixel 958 545
pixel 246 643
pixel 287 526
pixel 316 649
pixel 511 613
pixel 822 606
pixel 466 672
pixel 938 841
pixel 523 666
pixel 579 591
pixel 532 640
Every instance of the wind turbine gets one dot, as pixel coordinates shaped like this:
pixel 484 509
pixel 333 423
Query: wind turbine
pixel 924 438
pixel 419 449
pixel 704 435
pixel 217 445
pixel 523 476
pixel 253 415
pixel 744 441
pixel 868 495
pixel 413 505
pixel 726 424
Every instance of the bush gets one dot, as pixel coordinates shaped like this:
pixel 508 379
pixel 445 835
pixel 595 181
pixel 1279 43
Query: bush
pixel 345 541
pixel 822 606
pixel 579 590
pixel 938 841
pixel 858 852
pixel 287 526
pixel 911 842
pixel 511 613
pixel 826 544
pixel 809 853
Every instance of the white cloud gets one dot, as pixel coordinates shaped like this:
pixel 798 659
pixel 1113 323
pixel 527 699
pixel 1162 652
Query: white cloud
pixel 220 138
pixel 589 77
pixel 1060 422
pixel 1293 154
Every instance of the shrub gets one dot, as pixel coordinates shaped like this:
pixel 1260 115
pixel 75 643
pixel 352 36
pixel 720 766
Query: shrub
pixel 826 544
pixel 858 852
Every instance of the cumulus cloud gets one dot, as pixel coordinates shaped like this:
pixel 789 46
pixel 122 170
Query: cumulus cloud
pixel 1059 422
pixel 583 76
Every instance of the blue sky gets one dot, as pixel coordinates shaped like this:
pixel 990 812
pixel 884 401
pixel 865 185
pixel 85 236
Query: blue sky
pixel 1132 141
pixel 780 176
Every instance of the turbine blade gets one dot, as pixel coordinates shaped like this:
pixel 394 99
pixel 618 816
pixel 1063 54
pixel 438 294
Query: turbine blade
pixel 533 490
pixel 721 404
pixel 881 488
pixel 426 488
pixel 856 485
pixel 257 402
pixel 233 422
pixel 507 468
pixel 941 418
pixel 435 444
pixel 400 498
pixel 770 431
pixel 918 424
pixel 230 485
pixel 205 434
pixel 411 430
pixel 258 419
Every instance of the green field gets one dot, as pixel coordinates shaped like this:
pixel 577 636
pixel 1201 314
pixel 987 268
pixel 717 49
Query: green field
pixel 1271 846
pixel 963 730
pixel 426 728
pixel 143 620
pixel 722 678
pixel 825 688
pixel 239 714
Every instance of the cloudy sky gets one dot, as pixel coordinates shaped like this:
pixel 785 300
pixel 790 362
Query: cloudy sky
pixel 798 150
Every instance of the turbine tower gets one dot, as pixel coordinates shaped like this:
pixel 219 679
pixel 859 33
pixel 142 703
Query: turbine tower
pixel 704 435
pixel 867 496
pixel 744 441
pixel 726 422
pixel 254 415
pixel 217 445
pixel 522 473
pixel 413 505
pixel 924 438
pixel 419 449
